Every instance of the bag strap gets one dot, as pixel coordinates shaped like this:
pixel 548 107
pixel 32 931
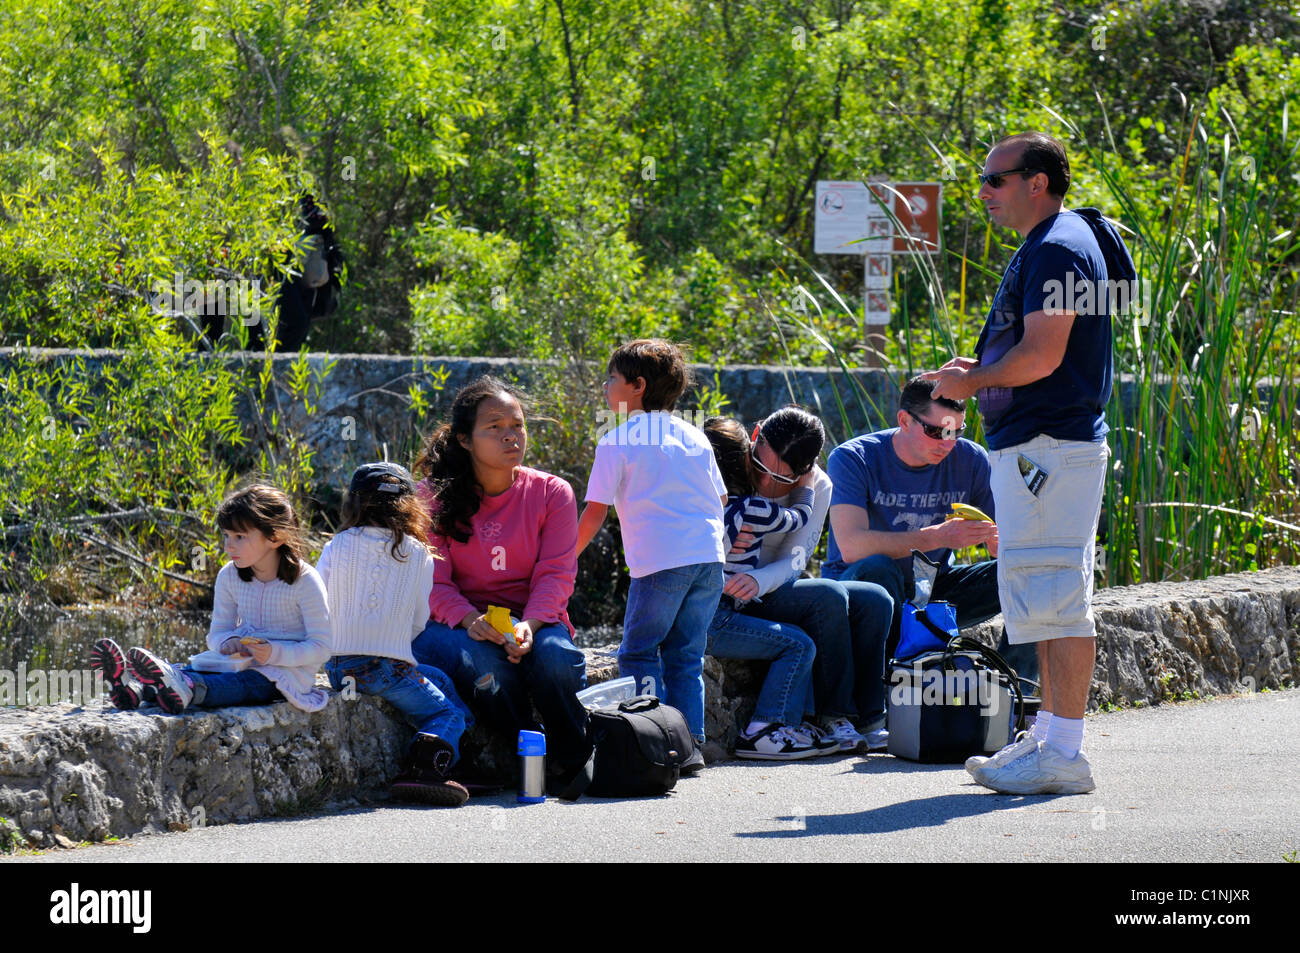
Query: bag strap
pixel 960 643
pixel 924 618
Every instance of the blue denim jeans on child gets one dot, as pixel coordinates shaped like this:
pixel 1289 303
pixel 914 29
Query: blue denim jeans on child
pixel 786 695
pixel 848 622
pixel 228 689
pixel 424 694
pixel 665 628
pixel 504 692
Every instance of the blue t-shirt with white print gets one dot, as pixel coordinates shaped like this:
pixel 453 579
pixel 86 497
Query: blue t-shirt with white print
pixel 1059 266
pixel 867 472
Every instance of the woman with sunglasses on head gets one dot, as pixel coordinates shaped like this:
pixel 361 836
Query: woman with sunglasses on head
pixel 847 622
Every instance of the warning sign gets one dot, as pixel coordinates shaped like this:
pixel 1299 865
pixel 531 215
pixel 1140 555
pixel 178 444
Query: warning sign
pixel 918 217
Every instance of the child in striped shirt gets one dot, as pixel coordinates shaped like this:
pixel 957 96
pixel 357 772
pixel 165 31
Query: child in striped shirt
pixel 731 449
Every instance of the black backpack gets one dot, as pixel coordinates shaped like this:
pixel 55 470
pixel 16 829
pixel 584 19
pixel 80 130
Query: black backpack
pixel 640 748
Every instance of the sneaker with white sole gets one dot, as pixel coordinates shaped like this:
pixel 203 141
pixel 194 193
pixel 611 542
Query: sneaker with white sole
pixel 775 743
pixel 1011 751
pixel 877 740
pixel 174 691
pixel 125 692
pixel 1042 769
pixel 841 729
pixel 820 741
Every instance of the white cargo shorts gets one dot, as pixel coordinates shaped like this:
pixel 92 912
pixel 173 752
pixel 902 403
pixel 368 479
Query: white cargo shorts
pixel 1046 541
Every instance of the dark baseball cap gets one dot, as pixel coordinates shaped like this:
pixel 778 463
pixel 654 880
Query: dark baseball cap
pixel 372 476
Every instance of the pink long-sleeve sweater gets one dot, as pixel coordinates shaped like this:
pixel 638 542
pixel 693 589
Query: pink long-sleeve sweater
pixel 522 553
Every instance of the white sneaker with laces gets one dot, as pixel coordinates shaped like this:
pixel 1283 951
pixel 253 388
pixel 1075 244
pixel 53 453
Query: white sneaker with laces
pixel 841 729
pixel 775 743
pixel 174 691
pixel 1018 746
pixel 878 740
pixel 1042 769
pixel 818 738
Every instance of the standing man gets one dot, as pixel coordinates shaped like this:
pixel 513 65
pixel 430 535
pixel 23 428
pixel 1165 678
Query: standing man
pixel 1042 373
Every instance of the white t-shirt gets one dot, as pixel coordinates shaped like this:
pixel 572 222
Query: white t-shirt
pixel 660 474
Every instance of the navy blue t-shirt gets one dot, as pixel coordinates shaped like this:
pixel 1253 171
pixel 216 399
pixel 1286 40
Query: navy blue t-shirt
pixel 866 472
pixel 1059 266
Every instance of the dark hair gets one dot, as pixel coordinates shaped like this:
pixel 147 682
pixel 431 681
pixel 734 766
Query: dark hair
pixel 449 468
pixel 917 398
pixel 731 451
pixel 1044 153
pixel 660 364
pixel 265 509
pixel 795 435
pixel 402 513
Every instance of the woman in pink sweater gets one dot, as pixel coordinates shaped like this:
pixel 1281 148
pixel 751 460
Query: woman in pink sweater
pixel 506 535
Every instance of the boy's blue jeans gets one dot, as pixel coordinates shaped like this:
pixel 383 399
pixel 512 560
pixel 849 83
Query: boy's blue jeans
pixel 424 694
pixel 665 628
pixel 228 689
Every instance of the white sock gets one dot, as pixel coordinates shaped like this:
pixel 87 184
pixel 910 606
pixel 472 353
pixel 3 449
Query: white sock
pixel 755 727
pixel 1042 721
pixel 1066 735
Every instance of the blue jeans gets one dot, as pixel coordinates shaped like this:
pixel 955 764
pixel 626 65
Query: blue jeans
pixel 972 589
pixel 665 628
pixel 848 622
pixel 424 694
pixel 227 689
pixel 504 692
pixel 787 693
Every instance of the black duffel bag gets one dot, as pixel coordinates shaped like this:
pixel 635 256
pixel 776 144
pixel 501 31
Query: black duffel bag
pixel 640 748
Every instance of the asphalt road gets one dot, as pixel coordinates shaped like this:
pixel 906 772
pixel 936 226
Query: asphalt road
pixel 1195 782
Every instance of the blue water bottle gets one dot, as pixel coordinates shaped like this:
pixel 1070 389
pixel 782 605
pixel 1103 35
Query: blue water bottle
pixel 532 767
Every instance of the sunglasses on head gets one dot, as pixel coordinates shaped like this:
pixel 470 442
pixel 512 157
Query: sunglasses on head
pixel 778 477
pixel 935 432
pixel 994 179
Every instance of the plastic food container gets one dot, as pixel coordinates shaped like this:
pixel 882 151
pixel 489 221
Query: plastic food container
pixel 211 661
pixel 608 694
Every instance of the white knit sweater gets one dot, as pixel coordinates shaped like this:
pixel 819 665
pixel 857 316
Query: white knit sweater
pixel 294 619
pixel 377 604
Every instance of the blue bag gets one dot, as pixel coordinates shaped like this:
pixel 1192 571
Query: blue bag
pixel 925 630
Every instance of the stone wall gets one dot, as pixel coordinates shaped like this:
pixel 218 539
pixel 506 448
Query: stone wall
pixel 364 405
pixel 91 772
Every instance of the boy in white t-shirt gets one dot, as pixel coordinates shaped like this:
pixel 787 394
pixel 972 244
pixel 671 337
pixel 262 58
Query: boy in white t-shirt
pixel 660 474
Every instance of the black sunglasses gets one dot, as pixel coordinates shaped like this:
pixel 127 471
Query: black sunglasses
pixel 994 179
pixel 758 465
pixel 935 432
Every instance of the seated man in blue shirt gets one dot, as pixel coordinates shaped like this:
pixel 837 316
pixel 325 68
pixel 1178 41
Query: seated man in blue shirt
pixel 894 490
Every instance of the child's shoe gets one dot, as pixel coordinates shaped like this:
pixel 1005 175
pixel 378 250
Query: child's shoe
pixel 172 687
pixel 124 691
pixel 424 774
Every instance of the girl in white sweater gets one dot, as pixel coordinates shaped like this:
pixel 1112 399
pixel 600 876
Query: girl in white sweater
pixel 379 574
pixel 269 604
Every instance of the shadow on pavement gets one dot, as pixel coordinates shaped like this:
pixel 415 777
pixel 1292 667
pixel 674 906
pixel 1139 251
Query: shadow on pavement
pixel 906 815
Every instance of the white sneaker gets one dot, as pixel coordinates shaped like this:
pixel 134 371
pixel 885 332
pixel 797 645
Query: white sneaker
pixel 174 691
pixel 841 729
pixel 823 743
pixel 1040 770
pixel 775 743
pixel 1011 751
pixel 878 740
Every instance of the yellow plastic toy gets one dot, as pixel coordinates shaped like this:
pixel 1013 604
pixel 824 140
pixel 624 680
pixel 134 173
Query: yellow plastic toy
pixel 964 511
pixel 499 619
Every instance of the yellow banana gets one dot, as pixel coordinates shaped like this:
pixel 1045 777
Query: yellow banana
pixel 499 618
pixel 964 511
